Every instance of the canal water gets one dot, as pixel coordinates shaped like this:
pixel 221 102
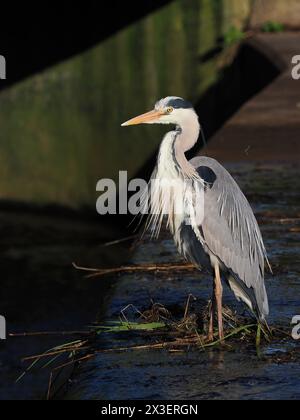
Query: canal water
pixel 41 291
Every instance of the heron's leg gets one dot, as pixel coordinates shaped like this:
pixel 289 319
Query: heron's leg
pixel 219 298
pixel 212 318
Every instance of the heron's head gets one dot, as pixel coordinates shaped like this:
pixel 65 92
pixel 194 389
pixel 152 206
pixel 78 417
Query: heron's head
pixel 170 110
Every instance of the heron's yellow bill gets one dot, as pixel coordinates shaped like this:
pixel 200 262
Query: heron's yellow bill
pixel 144 118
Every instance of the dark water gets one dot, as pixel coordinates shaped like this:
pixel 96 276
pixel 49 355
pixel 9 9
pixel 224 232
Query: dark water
pixel 41 291
pixel 217 374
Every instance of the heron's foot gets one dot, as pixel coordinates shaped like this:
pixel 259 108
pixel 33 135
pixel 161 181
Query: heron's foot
pixel 211 337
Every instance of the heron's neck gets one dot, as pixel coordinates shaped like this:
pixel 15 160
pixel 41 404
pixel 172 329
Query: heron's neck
pixel 187 137
pixel 188 133
pixel 173 147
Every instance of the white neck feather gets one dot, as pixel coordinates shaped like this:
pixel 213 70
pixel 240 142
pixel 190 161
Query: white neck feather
pixel 173 165
pixel 176 143
pixel 189 130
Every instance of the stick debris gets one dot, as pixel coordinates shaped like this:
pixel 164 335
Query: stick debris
pixel 144 268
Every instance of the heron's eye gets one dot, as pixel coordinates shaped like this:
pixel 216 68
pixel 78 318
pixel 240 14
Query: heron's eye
pixel 169 110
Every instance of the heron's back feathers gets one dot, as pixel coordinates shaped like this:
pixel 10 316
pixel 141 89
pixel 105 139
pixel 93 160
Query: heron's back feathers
pixel 232 234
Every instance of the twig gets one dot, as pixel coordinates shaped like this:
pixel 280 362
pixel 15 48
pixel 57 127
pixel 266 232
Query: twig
pixel 289 220
pixel 187 306
pixel 54 353
pixel 92 270
pixel 134 308
pixel 258 336
pixel 286 334
pixel 199 339
pixel 177 343
pixel 232 334
pixel 61 367
pixel 135 268
pixel 258 340
pixel 120 241
pixel 49 386
pixel 142 347
pixel 47 333
pixel 87 357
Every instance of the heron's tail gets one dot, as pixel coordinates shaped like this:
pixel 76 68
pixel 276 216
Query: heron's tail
pixel 258 305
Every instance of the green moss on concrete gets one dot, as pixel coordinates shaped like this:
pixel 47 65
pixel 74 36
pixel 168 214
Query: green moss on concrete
pixel 60 130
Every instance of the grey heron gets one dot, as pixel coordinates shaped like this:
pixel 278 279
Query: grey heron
pixel 227 242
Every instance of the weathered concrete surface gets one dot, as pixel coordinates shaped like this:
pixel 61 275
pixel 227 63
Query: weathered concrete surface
pixel 283 11
pixel 236 13
pixel 268 126
pixel 60 130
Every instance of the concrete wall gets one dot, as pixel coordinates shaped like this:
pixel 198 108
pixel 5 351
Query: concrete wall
pixel 60 129
pixel 283 11
pixel 236 13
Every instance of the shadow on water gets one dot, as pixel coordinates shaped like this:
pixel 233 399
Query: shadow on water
pixel 40 290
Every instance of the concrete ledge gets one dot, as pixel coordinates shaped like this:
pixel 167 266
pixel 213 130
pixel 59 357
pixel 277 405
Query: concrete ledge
pixel 283 11
pixel 267 128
